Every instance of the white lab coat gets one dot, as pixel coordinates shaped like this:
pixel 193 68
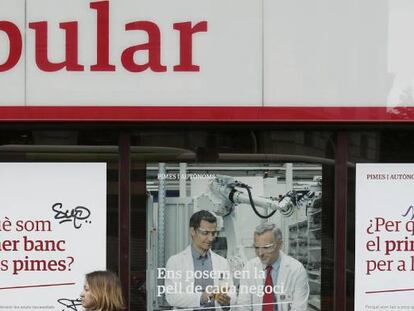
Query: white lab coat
pixel 185 297
pixel 292 278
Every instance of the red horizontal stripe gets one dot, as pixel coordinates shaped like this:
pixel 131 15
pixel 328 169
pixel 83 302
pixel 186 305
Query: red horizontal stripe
pixel 207 114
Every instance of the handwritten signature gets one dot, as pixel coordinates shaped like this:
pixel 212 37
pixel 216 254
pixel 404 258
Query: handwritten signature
pixel 410 209
pixel 70 304
pixel 77 215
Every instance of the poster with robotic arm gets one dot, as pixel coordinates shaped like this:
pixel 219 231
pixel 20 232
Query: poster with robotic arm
pixel 240 198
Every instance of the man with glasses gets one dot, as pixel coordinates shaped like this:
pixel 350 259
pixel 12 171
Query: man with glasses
pixel 198 270
pixel 272 281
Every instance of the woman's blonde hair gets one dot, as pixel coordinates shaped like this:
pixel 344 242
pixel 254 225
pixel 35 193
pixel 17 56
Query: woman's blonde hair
pixel 106 291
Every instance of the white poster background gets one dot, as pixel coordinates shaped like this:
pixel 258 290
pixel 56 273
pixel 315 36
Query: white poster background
pixel 384 194
pixel 27 193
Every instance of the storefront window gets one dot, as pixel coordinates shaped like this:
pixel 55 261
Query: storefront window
pixel 47 144
pixel 385 146
pixel 271 163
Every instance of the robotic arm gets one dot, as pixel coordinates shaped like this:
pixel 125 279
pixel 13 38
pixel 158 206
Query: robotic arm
pixel 225 192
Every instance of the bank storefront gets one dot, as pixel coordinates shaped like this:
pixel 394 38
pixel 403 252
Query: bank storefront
pixel 119 120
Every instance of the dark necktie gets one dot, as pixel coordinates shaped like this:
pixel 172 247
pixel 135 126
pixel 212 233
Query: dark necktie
pixel 268 296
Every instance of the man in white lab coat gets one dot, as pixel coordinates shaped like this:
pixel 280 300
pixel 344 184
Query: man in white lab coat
pixel 272 280
pixel 197 273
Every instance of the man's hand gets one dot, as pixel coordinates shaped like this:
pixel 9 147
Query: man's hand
pixel 205 297
pixel 223 300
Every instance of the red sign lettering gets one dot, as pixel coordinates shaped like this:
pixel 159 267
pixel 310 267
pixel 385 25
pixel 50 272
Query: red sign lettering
pixel 153 46
pixel 15 39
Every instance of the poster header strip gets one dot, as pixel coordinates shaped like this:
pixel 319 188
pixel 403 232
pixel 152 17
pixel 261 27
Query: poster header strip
pixel 206 114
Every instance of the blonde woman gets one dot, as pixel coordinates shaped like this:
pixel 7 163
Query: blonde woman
pixel 102 292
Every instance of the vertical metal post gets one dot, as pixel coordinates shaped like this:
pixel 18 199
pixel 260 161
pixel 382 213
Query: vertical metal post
pixel 341 193
pixel 289 176
pixel 161 214
pixel 183 180
pixel 152 255
pixel 289 187
pixel 124 216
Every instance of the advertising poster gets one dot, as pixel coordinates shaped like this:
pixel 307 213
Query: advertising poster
pixel 221 261
pixel 52 232
pixel 384 245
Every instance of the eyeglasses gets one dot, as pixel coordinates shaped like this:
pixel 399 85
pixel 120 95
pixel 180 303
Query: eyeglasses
pixel 265 249
pixel 207 232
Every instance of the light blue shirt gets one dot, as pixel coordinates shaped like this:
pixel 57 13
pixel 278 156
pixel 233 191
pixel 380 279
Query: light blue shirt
pixel 275 271
pixel 203 263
